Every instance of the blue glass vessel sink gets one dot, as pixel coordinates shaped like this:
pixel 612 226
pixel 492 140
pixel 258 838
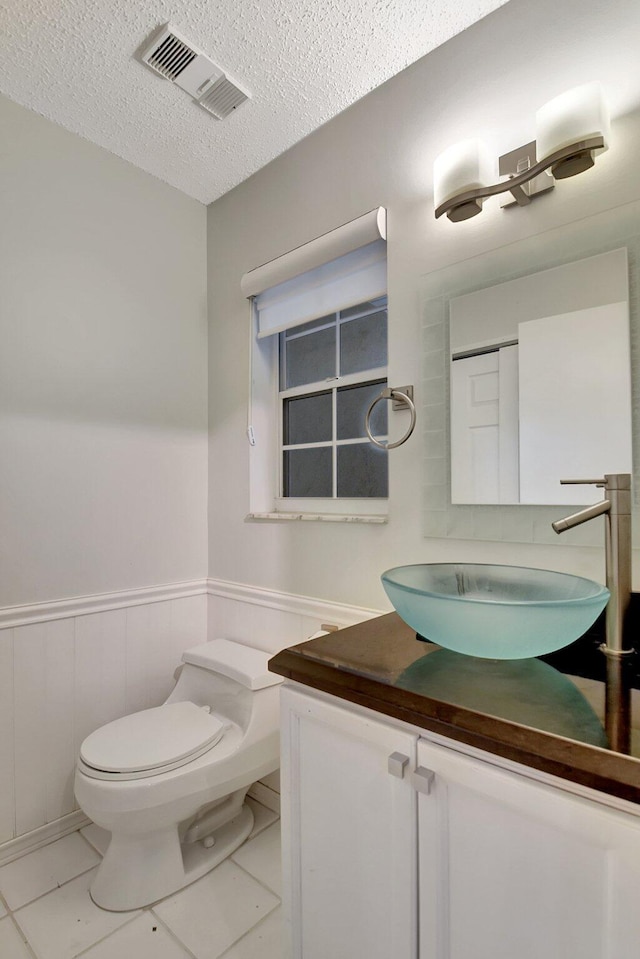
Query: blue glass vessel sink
pixel 495 612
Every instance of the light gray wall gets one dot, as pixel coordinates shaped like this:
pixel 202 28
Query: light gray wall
pixel 103 389
pixel 487 82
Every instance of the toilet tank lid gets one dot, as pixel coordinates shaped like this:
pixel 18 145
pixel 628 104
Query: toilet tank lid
pixel 244 664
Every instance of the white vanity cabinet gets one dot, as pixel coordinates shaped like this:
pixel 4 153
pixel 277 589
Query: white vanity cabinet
pixel 444 855
pixel 349 834
pixel 513 868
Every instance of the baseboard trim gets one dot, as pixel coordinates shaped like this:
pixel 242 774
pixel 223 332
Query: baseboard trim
pixel 84 605
pixel 266 797
pixel 338 613
pixel 30 841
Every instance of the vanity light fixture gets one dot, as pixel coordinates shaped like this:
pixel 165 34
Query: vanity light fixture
pixel 571 129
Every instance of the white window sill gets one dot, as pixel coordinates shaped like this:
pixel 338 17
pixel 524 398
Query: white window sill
pixel 314 518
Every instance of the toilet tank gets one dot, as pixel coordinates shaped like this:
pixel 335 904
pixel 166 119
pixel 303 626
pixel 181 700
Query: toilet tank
pixel 226 676
pixel 243 664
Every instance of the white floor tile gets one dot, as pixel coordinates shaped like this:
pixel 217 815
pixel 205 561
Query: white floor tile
pixel 45 869
pixel 11 943
pixel 214 912
pixel 144 938
pixel 264 941
pixel 66 921
pixel 99 838
pixel 3 911
pixel 261 857
pixel 262 817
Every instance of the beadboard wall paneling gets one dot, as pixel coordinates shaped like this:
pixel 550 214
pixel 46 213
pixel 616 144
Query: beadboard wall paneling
pixel 60 721
pixel 44 722
pixel 7 802
pixel 100 671
pixel 68 667
pixel 272 620
pixel 61 679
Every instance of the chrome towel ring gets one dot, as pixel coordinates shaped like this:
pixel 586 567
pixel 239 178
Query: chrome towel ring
pixel 401 398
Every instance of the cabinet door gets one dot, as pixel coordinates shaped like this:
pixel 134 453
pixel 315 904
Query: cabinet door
pixel 510 867
pixel 349 834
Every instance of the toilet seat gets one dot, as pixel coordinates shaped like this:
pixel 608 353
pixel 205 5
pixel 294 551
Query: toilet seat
pixel 150 742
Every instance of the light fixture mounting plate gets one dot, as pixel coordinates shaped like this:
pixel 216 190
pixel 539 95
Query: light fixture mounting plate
pixel 517 161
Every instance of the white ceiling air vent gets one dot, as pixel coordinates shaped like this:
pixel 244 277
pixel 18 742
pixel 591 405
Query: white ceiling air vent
pixel 170 56
pixel 222 97
pixel 174 57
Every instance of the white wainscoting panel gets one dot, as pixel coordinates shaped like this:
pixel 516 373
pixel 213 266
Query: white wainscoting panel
pixel 272 620
pixel 61 753
pixel 44 754
pixel 143 685
pixel 62 678
pixel 30 711
pixel 7 791
pixel 100 669
pixel 70 666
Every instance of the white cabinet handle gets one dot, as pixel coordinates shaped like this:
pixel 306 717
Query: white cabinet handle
pixel 423 779
pixel 396 764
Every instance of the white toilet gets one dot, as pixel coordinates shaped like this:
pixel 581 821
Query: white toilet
pixel 169 783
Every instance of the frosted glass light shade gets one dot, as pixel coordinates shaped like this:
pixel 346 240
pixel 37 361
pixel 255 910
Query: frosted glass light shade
pixel 575 115
pixel 461 167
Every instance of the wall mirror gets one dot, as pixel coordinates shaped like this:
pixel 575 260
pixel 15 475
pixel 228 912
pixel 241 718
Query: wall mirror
pixel 540 384
pixel 576 284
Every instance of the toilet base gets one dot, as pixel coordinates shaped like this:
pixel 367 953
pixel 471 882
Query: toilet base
pixel 138 870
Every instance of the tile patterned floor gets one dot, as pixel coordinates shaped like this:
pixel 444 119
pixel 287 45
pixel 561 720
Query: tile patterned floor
pixel 231 913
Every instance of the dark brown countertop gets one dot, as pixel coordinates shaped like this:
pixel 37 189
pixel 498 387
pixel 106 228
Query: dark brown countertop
pixel 547 713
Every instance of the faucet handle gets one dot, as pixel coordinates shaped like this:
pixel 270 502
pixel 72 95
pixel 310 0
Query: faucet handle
pixel 583 482
pixel 611 481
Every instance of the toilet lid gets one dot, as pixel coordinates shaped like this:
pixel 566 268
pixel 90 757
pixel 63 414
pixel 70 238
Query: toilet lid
pixel 152 738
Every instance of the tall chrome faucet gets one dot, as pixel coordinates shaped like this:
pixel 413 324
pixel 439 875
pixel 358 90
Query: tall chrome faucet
pixel 616 508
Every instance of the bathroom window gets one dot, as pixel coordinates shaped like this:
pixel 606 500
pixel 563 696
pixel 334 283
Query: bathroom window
pixel 331 370
pixel 319 358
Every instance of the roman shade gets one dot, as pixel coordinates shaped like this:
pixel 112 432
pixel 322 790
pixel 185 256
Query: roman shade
pixel 334 271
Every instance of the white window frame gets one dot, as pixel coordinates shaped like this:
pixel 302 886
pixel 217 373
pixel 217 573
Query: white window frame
pixel 267 416
pixel 331 505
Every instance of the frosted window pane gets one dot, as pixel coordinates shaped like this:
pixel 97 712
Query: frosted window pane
pixel 310 358
pixel 307 419
pixel 363 343
pixel 352 405
pixel 362 471
pixel 307 472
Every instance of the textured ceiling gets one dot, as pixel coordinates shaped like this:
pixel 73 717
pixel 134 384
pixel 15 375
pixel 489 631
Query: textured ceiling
pixel 303 62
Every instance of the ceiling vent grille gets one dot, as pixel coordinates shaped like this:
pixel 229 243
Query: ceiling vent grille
pixel 222 98
pixel 171 57
pixel 177 59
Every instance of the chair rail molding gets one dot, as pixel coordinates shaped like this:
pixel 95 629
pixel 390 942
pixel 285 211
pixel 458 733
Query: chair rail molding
pixel 11 616
pixel 340 613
